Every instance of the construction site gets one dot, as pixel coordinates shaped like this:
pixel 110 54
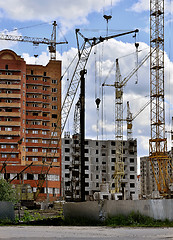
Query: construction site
pixel 46 163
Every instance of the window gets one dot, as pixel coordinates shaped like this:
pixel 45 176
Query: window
pixel 35 105
pixel 67 158
pixel 97 176
pixel 112 159
pixel 35 78
pixel 34 96
pixel 3 146
pixel 34 132
pixel 44 74
pixel 30 176
pixel 132 160
pixel 54 115
pixel 54 125
pixel 86 150
pixel 112 143
pixel 44 114
pixel 97 159
pixel 8 91
pixel 132 176
pixel 34 140
pixel 54 150
pixel 34 87
pixel 6 67
pixel 54 81
pixel 35 114
pixel 86 167
pixel 97 168
pixel 113 151
pixel 8 129
pixel 44 150
pixel 44 123
pixel 97 151
pixel 54 107
pixel 67 141
pixel 54 142
pixel 4 155
pixel 132 185
pixel 8 101
pixel 66 166
pixel 67 149
pixel 113 168
pixel 13 155
pixel 54 134
pixel 44 89
pixel 32 72
pixel 54 98
pixel 35 150
pixel 132 169
pixel 54 90
pixel 44 105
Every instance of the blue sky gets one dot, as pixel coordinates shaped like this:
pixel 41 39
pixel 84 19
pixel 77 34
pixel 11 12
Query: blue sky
pixel 34 18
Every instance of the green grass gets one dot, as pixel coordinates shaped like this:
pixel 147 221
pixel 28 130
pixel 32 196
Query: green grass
pixel 136 220
pixel 132 220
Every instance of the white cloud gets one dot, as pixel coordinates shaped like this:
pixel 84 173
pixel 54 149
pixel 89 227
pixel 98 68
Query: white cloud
pixel 144 5
pixel 140 6
pixel 68 12
pixel 8 44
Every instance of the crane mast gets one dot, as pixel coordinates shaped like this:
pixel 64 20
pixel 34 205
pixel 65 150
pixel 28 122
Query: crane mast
pixel 157 143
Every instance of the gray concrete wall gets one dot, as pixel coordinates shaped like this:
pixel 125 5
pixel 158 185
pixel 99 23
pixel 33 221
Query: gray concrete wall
pixel 157 209
pixel 7 211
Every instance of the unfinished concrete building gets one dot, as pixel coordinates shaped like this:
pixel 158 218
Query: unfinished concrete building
pixel 148 183
pixel 100 157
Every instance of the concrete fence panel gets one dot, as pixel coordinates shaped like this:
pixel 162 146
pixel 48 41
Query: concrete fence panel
pixel 7 211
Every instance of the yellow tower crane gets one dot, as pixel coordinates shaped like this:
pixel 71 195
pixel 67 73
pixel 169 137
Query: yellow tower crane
pixel 158 143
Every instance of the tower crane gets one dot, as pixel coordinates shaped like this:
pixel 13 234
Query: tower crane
pixel 130 118
pixel 158 143
pixel 36 41
pixel 119 85
pixel 84 51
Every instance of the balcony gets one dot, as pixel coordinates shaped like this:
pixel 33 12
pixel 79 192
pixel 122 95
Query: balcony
pixel 10 105
pixel 10 77
pixel 10 133
pixel 10 114
pixel 10 123
pixel 10 95
pixel 10 86
pixel 41 154
pixel 34 100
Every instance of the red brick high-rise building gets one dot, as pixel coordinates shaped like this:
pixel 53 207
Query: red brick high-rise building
pixel 30 102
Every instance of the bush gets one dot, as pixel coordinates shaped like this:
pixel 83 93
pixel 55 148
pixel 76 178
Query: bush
pixel 7 193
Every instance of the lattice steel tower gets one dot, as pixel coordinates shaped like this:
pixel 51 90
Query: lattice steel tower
pixel 158 142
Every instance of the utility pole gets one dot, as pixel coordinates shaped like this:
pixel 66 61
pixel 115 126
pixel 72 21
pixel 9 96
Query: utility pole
pixel 82 132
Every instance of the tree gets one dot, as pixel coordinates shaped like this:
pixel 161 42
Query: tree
pixel 7 193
